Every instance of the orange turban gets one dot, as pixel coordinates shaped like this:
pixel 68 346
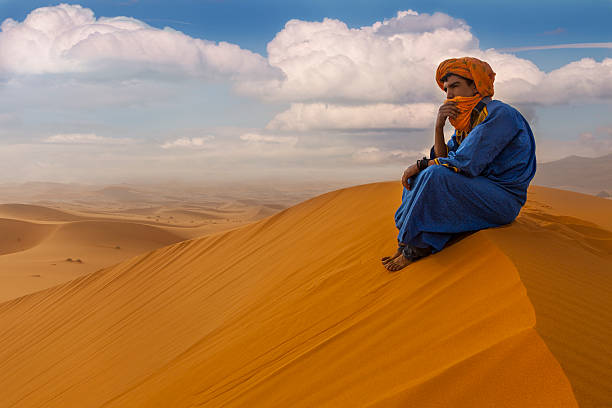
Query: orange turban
pixel 471 68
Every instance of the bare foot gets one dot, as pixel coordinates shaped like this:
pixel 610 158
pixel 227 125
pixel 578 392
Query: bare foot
pixel 398 263
pixel 385 260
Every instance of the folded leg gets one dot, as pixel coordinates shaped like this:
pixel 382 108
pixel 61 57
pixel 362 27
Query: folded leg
pixel 442 203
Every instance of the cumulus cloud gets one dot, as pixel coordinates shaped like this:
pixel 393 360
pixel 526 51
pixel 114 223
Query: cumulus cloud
pixel 409 21
pixel 394 62
pixel 269 139
pixel 188 142
pixel 320 116
pixel 581 79
pixel 390 62
pixel 85 138
pixel 363 83
pixel 69 39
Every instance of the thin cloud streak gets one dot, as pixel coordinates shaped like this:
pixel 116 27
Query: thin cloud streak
pixel 165 20
pixel 558 47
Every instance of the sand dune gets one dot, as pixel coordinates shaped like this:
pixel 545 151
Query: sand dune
pixel 295 310
pixel 562 247
pixel 37 256
pixel 35 213
pixel 19 236
pixel 41 246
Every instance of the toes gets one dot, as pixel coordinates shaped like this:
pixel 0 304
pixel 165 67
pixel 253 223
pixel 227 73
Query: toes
pixel 397 264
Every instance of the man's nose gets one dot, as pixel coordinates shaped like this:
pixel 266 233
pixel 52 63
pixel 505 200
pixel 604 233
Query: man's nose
pixel 449 94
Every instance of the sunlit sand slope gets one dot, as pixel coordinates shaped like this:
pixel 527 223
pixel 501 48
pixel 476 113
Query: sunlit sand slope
pixel 36 256
pixel 42 247
pixel 291 311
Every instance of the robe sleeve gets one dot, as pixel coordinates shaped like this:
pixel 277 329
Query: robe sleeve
pixel 484 143
pixel 451 146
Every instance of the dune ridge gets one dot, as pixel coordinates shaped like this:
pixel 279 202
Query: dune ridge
pixel 562 247
pixel 293 310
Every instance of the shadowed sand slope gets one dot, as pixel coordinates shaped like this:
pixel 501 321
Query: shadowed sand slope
pixel 294 310
pixel 562 247
pixel 17 236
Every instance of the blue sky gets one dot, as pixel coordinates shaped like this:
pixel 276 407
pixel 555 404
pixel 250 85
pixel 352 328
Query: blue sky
pixel 125 111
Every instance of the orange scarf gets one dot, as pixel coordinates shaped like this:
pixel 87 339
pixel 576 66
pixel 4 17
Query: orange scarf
pixel 465 104
pixel 471 68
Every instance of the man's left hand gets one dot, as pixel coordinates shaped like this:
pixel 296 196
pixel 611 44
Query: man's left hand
pixel 409 172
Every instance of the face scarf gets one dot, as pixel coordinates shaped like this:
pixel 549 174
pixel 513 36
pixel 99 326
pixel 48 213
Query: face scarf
pixel 471 68
pixel 465 104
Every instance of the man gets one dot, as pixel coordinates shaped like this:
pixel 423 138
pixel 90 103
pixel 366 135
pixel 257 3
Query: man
pixel 478 180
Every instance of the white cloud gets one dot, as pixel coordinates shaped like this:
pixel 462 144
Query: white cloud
pixel 188 142
pixel 394 62
pixel 69 39
pixel 578 80
pixel 270 139
pixel 85 138
pixel 320 116
pixel 389 62
pixel 61 65
pixel 409 21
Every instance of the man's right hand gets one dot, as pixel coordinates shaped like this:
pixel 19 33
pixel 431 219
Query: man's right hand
pixel 409 172
pixel 447 110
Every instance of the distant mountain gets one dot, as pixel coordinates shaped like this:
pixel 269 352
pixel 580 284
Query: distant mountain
pixel 581 174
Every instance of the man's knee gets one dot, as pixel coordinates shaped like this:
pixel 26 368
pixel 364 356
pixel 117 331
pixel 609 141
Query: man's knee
pixel 434 176
pixel 436 171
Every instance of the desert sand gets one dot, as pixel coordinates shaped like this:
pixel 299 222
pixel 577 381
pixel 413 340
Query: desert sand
pixel 296 310
pixel 67 231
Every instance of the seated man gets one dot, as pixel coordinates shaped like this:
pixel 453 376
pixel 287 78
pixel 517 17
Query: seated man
pixel 479 180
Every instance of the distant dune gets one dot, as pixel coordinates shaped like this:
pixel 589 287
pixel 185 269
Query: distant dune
pixel 296 311
pixel 36 256
pixel 51 233
pixel 19 236
pixel 41 247
pixel 35 213
pixel 581 174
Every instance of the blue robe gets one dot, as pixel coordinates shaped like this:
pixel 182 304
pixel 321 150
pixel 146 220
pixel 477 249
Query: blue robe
pixel 482 183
